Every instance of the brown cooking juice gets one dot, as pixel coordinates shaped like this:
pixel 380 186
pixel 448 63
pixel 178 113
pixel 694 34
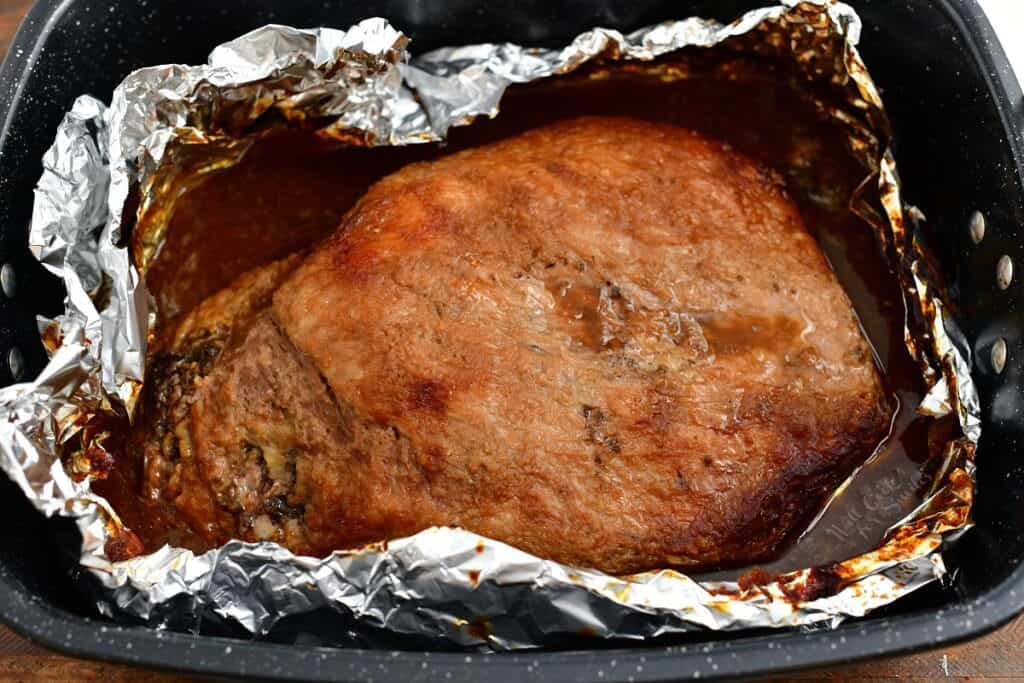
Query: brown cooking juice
pixel 293 189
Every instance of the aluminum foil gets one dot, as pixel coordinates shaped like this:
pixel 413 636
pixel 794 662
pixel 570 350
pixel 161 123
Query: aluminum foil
pixel 448 585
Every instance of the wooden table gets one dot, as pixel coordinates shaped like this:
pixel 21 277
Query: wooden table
pixel 996 656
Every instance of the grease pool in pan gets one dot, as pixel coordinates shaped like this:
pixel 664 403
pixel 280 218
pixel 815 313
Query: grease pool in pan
pixel 292 190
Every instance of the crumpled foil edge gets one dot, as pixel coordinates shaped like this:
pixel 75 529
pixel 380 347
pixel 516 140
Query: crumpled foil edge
pixel 447 584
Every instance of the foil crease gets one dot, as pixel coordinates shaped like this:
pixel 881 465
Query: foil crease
pixel 448 585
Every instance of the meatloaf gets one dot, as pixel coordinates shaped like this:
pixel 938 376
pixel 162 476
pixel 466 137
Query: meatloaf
pixel 607 342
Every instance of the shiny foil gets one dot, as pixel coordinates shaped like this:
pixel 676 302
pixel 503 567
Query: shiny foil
pixel 447 585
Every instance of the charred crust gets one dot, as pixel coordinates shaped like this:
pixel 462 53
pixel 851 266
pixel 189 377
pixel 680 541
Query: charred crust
pixel 280 509
pixel 172 380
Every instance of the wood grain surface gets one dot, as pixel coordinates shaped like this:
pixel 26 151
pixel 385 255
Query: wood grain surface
pixel 998 656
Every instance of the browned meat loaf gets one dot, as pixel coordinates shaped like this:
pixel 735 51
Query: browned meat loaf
pixel 606 342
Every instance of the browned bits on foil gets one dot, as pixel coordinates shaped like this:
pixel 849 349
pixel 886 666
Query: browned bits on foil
pixel 93 450
pixel 52 337
pixel 819 582
pixel 122 544
pixel 797 587
pixel 479 628
pixel 750 579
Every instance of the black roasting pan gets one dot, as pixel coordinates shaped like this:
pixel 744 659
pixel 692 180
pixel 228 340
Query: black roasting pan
pixel 958 114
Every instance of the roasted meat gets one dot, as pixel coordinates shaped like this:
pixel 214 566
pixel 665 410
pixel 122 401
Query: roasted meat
pixel 607 342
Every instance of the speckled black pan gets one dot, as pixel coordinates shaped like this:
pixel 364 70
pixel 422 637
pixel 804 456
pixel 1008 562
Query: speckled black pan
pixel 958 114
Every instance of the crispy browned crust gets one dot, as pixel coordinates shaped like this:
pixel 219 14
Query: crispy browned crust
pixel 606 342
